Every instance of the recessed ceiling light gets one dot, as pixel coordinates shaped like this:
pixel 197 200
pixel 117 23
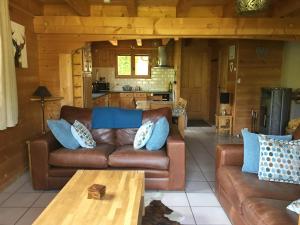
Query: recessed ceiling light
pixel 106 1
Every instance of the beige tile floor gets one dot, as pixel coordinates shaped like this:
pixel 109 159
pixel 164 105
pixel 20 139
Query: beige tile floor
pixel 20 204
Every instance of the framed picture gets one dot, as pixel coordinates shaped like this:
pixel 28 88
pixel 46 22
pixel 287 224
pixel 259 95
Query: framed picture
pixel 19 45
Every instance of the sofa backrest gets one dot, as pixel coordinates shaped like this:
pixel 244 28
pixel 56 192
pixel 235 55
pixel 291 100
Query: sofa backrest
pixel 111 136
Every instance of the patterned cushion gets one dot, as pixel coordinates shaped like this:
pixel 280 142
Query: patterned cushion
pixel 82 135
pixel 294 206
pixel 279 160
pixel 143 135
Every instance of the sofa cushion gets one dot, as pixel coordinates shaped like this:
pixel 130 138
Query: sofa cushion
pixel 61 130
pixel 126 136
pixel 240 186
pixel 279 160
pixel 95 158
pixel 126 156
pixel 82 135
pixel 159 135
pixel 262 211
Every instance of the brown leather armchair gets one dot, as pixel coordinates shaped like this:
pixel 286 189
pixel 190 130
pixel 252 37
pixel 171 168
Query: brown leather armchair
pixel 52 165
pixel 248 200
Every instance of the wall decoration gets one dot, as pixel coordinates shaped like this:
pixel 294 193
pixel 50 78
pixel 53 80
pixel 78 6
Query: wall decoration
pixel 231 52
pixel 19 45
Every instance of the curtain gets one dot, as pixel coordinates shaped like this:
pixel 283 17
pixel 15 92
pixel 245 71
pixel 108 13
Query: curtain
pixel 8 84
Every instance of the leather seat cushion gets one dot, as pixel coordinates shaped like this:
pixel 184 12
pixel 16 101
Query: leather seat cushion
pixel 262 211
pixel 68 172
pixel 126 156
pixel 241 186
pixel 95 158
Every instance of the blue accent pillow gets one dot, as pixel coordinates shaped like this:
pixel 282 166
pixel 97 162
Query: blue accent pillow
pixel 143 135
pixel 252 149
pixel 159 135
pixel 61 130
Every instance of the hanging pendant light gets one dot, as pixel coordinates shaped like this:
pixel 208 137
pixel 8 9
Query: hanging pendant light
pixel 251 6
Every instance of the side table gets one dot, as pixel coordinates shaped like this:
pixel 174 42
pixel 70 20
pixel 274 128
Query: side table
pixel 224 124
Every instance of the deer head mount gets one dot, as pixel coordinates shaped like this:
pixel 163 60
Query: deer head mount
pixel 18 52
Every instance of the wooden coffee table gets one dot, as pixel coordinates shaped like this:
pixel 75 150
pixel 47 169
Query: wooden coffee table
pixel 121 205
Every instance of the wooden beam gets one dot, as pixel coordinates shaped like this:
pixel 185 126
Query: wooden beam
pixel 169 27
pixel 183 7
pixel 165 41
pixel 139 42
pixel 81 7
pixel 132 8
pixel 114 42
pixel 285 8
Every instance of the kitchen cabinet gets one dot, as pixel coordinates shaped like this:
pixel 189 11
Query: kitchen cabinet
pixel 141 96
pixel 100 101
pixel 114 100
pixel 127 100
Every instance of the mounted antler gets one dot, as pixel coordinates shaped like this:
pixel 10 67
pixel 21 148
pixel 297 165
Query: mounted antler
pixel 18 48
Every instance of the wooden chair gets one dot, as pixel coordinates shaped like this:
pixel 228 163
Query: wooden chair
pixel 182 119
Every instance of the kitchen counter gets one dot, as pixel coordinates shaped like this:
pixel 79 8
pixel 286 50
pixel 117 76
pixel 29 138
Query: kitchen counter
pixel 98 95
pixel 148 91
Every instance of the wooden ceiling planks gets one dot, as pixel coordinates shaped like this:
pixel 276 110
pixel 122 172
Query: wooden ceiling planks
pixel 81 7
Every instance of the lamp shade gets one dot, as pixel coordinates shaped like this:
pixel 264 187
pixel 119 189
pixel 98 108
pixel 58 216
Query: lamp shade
pixel 225 98
pixel 42 92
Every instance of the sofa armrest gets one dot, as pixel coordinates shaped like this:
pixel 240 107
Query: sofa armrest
pixel 176 154
pixel 40 148
pixel 229 155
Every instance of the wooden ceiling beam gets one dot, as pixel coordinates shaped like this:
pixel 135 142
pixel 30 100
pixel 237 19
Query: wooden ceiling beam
pixel 285 8
pixel 81 7
pixel 183 7
pixel 178 27
pixel 132 8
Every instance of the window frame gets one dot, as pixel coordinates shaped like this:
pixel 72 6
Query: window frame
pixel 133 75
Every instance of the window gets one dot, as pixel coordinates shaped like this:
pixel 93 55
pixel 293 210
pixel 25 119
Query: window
pixel 141 65
pixel 133 66
pixel 124 65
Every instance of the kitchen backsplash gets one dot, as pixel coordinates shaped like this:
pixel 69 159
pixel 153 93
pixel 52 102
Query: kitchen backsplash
pixel 160 79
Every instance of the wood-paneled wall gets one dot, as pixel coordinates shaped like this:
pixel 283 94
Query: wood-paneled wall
pixel 13 155
pixel 49 67
pixel 259 65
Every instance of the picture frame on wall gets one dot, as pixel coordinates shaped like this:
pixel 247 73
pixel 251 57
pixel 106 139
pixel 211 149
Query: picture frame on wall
pixel 19 45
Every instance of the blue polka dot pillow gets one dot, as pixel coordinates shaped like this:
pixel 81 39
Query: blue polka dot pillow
pixel 279 160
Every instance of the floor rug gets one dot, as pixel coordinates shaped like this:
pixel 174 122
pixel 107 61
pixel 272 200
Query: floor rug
pixel 197 123
pixel 156 213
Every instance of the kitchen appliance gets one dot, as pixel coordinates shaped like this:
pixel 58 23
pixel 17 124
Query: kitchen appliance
pixel 100 86
pixel 274 110
pixel 162 56
pixel 163 96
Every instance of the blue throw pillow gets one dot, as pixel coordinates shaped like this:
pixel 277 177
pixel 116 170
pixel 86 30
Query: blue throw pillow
pixel 159 135
pixel 252 150
pixel 61 130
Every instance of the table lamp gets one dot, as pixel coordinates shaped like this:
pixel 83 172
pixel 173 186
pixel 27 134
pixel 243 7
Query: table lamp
pixel 42 92
pixel 224 102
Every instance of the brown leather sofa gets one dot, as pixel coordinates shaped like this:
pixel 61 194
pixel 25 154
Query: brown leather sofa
pixel 52 165
pixel 247 200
